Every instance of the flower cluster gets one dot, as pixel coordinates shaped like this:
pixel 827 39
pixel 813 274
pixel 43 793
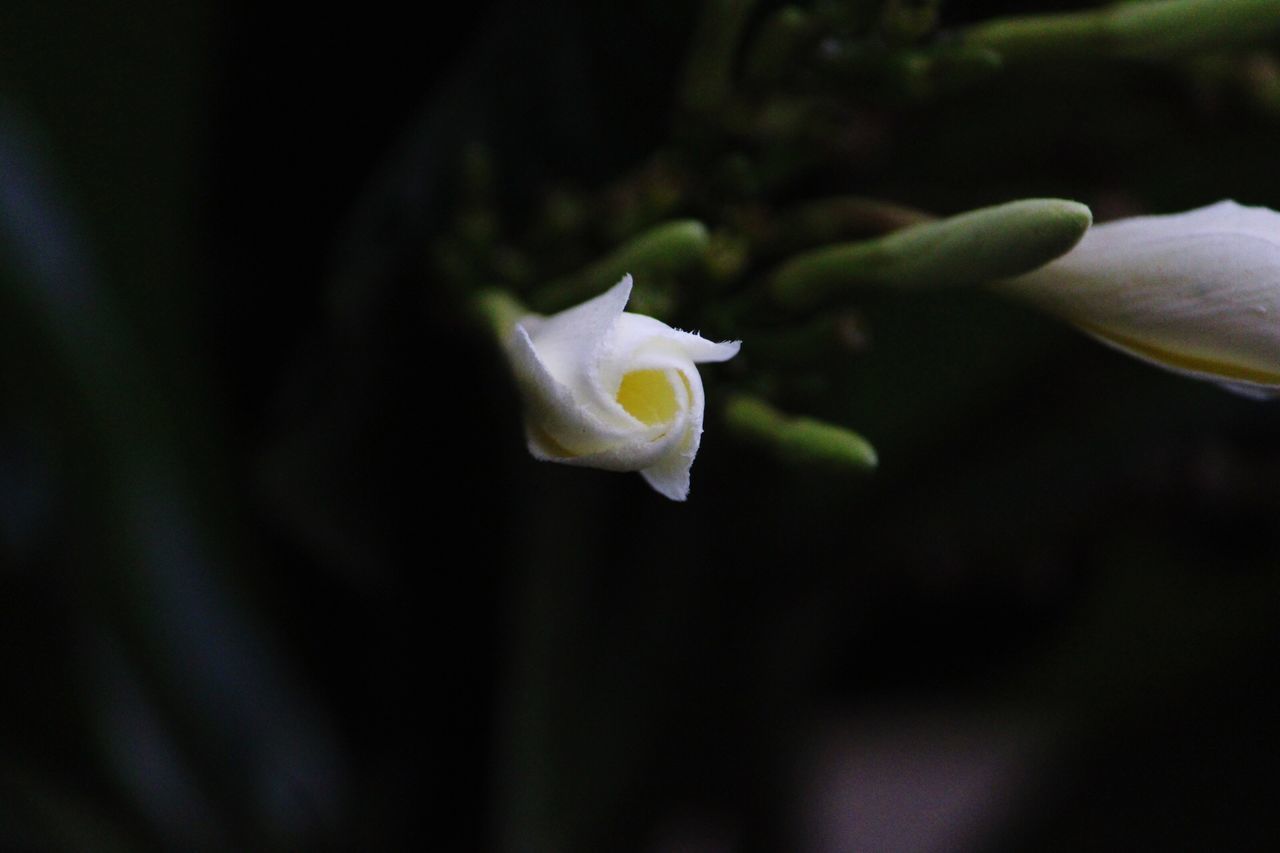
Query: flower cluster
pixel 1197 293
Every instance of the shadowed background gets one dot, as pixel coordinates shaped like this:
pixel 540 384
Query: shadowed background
pixel 277 572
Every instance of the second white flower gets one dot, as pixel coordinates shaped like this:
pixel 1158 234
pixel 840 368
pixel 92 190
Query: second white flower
pixel 1197 293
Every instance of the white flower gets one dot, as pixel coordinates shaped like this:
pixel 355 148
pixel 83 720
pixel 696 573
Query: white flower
pixel 608 389
pixel 1197 293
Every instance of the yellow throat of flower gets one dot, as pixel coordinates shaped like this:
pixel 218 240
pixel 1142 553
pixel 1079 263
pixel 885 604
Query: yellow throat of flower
pixel 648 396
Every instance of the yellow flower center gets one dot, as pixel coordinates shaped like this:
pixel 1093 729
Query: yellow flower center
pixel 648 396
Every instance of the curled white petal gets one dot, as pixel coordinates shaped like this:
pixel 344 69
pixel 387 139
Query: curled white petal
pixel 607 389
pixel 1197 292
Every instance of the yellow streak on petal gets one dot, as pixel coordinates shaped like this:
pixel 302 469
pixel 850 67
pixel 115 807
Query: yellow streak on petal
pixel 648 396
pixel 1183 361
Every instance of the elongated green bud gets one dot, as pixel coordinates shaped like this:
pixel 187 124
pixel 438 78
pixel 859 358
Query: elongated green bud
pixel 971 248
pixel 664 250
pixel 1155 30
pixel 798 440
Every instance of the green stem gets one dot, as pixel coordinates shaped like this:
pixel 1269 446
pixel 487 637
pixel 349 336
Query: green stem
pixel 1155 30
pixel 709 74
pixel 499 311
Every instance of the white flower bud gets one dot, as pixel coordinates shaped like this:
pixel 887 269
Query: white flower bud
pixel 1197 293
pixel 608 389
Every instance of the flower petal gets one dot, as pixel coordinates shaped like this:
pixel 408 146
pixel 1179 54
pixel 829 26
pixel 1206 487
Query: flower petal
pixel 569 344
pixel 562 421
pixel 633 329
pixel 1197 292
pixel 670 476
pixel 570 347
pixel 1254 389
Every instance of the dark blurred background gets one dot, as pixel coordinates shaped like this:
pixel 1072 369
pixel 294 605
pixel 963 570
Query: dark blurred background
pixel 277 572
